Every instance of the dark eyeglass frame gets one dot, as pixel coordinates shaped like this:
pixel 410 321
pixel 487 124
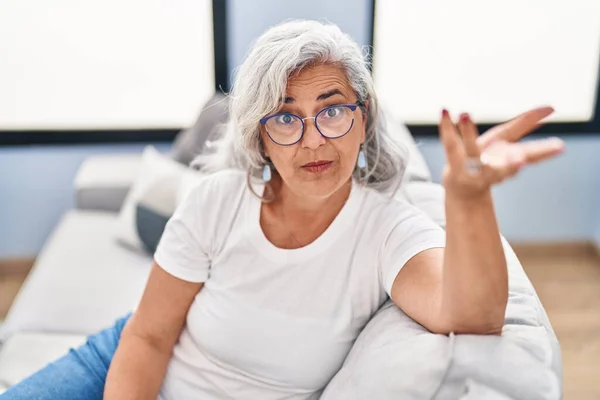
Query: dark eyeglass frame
pixel 352 108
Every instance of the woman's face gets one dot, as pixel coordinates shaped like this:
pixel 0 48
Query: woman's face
pixel 317 166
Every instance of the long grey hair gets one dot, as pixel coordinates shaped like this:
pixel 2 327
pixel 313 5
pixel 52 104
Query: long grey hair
pixel 259 87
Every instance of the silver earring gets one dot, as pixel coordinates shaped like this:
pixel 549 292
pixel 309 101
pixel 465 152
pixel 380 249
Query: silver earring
pixel 362 159
pixel 266 173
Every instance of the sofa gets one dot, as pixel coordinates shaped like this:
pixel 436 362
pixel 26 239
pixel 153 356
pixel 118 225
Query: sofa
pixel 84 279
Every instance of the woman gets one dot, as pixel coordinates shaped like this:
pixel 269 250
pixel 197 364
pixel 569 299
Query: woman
pixel 269 270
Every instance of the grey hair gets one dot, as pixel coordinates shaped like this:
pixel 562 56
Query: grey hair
pixel 259 88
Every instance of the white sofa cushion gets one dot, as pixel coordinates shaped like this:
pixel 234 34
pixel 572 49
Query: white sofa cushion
pixel 102 181
pixel 82 280
pixel 25 353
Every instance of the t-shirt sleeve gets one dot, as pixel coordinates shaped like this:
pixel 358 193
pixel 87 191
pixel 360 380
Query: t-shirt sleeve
pixel 412 233
pixel 182 249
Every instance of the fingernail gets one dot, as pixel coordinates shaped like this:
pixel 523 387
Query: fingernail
pixel 464 117
pixel 444 112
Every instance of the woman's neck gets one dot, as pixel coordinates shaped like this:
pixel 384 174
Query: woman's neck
pixel 300 206
pixel 292 221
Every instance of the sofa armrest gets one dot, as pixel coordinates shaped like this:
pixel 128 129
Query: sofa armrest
pixel 523 363
pixel 103 181
pixel 525 307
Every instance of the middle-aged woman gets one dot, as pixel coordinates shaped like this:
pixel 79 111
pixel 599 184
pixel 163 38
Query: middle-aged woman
pixel 268 271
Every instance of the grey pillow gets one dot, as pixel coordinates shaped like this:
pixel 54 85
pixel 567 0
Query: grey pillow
pixel 190 142
pixel 153 210
pixel 150 225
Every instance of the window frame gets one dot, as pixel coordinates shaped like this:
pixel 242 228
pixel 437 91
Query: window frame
pixel 553 128
pixel 97 136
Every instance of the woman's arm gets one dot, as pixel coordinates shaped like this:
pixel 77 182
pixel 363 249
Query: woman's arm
pixel 138 367
pixel 475 276
pixel 464 287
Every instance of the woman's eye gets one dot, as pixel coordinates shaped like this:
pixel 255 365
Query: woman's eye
pixel 285 119
pixel 332 112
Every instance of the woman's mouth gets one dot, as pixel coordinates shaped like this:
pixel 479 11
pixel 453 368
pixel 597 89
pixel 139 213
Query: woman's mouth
pixel 317 166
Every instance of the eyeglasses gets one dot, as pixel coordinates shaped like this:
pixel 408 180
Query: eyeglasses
pixel 332 122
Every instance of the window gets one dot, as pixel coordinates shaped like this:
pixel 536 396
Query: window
pixel 491 59
pixel 106 71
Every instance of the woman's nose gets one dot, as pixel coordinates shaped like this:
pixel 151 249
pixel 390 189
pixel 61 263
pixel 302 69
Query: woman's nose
pixel 312 138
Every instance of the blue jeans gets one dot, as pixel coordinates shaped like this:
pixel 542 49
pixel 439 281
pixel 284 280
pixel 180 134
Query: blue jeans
pixel 78 375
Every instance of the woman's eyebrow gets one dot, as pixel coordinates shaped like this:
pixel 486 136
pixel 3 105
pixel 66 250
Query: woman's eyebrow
pixel 328 94
pixel 322 96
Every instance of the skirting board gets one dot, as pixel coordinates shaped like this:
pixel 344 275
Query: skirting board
pixel 9 266
pixel 558 249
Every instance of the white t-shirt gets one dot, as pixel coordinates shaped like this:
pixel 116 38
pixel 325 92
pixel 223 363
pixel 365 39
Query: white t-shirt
pixel 272 323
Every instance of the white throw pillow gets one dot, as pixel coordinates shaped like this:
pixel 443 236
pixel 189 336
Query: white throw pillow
pixel 156 169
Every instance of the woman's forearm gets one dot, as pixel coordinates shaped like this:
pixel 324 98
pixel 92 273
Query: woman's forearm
pixel 475 277
pixel 137 369
pixel 473 289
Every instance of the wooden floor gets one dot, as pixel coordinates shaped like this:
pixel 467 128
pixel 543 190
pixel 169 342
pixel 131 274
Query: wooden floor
pixel 568 285
pixel 11 279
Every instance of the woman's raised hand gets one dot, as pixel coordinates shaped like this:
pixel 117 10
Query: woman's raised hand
pixel 475 163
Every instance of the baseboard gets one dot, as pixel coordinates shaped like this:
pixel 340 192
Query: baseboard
pixel 556 249
pixel 9 266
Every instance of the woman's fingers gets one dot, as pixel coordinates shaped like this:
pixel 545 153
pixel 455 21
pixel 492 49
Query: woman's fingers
pixel 540 150
pixel 477 162
pixel 453 146
pixel 516 128
pixel 500 167
pixel 505 160
pixel 497 175
pixel 469 134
